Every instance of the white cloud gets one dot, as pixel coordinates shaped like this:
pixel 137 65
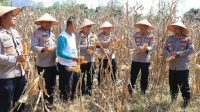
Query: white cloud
pixel 46 2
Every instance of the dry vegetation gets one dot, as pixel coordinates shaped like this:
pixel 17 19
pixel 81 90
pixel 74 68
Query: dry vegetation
pixel 111 97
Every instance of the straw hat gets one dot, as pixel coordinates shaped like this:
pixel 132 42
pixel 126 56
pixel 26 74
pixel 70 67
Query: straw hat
pixel 47 18
pixel 179 24
pixel 86 22
pixel 6 9
pixel 144 22
pixel 106 24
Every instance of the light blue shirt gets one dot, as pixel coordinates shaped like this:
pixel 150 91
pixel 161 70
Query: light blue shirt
pixel 66 49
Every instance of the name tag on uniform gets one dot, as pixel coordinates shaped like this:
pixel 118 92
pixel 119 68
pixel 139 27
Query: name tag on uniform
pixel 10 49
pixel 8 46
pixel 44 34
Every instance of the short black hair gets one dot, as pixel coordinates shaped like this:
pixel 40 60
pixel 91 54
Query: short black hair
pixel 69 21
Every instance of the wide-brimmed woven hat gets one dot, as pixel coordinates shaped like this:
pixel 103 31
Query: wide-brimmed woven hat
pixel 87 22
pixel 106 24
pixel 179 24
pixel 144 22
pixel 47 18
pixel 7 9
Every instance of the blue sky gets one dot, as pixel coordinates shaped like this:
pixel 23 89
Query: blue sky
pixel 183 6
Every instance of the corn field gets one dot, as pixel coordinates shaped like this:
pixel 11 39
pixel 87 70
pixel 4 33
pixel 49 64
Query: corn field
pixel 109 97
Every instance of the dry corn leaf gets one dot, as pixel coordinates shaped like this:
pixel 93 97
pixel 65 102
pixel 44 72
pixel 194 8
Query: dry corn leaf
pixel 100 55
pixel 34 91
pixel 118 105
pixel 197 66
pixel 90 52
pixel 42 85
pixel 145 45
pixel 124 67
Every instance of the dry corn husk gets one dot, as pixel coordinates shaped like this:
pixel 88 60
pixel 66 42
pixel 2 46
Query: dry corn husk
pixel 145 46
pixel 90 52
pixel 101 55
pixel 194 88
pixel 116 43
pixel 35 90
pixel 195 66
pixel 124 67
pixel 74 68
pixel 42 85
pixel 28 91
pixel 118 104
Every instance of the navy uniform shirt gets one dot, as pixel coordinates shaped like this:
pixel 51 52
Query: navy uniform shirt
pixel 140 40
pixel 85 41
pixel 183 46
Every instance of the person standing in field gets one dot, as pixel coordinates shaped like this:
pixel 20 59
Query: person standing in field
pixel 142 44
pixel 104 39
pixel 67 57
pixel 12 79
pixel 87 42
pixel 177 48
pixel 44 46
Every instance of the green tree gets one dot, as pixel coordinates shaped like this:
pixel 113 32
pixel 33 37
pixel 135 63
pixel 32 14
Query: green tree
pixel 193 15
pixel 4 2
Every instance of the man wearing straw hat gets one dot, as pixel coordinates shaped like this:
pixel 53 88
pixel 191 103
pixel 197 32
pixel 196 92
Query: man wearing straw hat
pixel 179 46
pixel 43 44
pixel 143 44
pixel 105 40
pixel 12 80
pixel 87 41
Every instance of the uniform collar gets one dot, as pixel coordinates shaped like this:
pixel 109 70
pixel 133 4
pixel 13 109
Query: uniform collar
pixel 4 30
pixel 105 34
pixel 68 33
pixel 85 36
pixel 43 29
pixel 147 33
pixel 179 38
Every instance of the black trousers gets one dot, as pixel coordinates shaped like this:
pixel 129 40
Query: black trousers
pixel 135 69
pixel 87 69
pixel 67 83
pixel 179 79
pixel 50 81
pixel 103 66
pixel 10 92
